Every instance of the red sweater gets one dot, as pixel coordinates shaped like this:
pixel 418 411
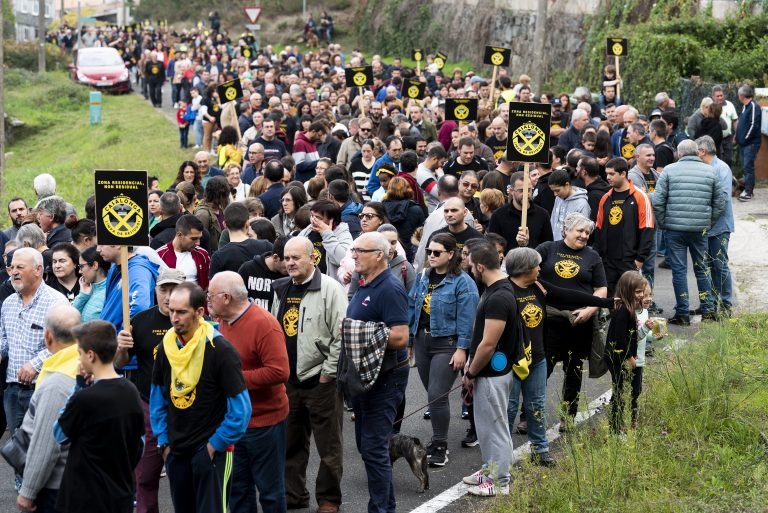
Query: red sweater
pixel 259 339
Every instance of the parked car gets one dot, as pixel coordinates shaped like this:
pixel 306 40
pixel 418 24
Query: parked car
pixel 102 68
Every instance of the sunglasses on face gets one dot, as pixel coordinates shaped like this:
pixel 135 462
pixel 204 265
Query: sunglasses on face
pixel 473 186
pixel 366 216
pixel 435 252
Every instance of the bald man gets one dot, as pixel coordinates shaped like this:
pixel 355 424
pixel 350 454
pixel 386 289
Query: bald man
pixel 46 459
pixel 498 141
pixel 455 212
pixel 204 168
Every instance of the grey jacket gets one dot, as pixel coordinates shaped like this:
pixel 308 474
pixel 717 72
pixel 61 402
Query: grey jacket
pixel 576 202
pixel 45 458
pixel 336 244
pixel 636 175
pixel 688 196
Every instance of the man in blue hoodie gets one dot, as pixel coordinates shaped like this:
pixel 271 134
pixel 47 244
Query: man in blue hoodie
pixel 142 274
pixel 749 138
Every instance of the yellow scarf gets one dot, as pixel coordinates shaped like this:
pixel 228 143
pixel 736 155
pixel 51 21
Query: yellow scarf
pixel 65 361
pixel 186 362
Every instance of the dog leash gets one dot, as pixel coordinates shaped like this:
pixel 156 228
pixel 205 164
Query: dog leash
pixel 414 412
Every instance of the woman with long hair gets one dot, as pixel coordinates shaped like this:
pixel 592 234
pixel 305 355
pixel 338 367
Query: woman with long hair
pixel 291 200
pixel 188 172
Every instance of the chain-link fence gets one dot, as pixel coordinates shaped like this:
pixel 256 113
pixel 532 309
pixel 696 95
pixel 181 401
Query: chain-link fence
pixel 693 90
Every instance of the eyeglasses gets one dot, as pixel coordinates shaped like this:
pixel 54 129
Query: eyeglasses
pixel 357 251
pixel 367 216
pixel 365 129
pixel 435 252
pixel 208 295
pixel 473 186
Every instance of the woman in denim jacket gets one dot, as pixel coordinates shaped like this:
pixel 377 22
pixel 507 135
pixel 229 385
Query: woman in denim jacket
pixel 442 305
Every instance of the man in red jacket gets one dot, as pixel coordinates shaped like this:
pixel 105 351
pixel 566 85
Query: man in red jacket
pixel 259 461
pixel 184 251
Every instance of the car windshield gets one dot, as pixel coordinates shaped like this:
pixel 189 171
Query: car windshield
pixel 99 59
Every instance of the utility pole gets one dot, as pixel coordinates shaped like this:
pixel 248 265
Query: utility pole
pixel 2 106
pixel 41 37
pixel 539 35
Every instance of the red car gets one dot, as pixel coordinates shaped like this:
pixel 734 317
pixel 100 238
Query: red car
pixel 102 68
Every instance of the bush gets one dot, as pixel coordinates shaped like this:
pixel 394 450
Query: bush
pixel 24 56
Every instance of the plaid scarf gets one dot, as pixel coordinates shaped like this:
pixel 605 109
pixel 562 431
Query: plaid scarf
pixel 362 353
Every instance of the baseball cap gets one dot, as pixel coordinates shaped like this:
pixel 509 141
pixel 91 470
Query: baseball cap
pixel 556 101
pixel 171 276
pixel 656 112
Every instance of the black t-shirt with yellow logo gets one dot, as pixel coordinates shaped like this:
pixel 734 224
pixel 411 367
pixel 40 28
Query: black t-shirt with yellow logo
pixel 571 269
pixel 289 317
pixel 650 182
pixel 498 147
pixel 615 226
pixel 426 308
pixel 531 305
pixel 148 329
pixel 318 255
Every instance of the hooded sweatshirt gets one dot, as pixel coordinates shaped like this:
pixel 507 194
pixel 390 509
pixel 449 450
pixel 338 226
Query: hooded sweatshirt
pixel 258 280
pixel 349 213
pixel 142 274
pixel 576 202
pixel 595 192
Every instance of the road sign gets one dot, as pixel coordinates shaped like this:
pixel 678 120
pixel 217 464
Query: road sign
pixel 253 27
pixel 252 13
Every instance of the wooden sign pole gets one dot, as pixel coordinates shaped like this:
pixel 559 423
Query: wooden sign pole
pixel 526 185
pixel 124 286
pixel 493 87
pixel 362 101
pixel 618 79
pixel 418 68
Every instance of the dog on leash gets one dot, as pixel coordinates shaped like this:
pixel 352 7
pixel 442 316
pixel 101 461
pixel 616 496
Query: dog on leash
pixel 410 448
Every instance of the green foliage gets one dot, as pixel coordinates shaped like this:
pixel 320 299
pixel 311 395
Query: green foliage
pixel 9 20
pixel 701 445
pixel 401 29
pixel 24 56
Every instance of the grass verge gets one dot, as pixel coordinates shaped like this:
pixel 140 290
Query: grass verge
pixel 58 139
pixel 702 445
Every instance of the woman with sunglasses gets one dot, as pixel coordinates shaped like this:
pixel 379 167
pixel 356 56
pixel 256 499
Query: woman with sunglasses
pixel 442 306
pixel 93 284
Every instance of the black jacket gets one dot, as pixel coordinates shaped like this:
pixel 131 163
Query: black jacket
pixel 231 256
pixel 506 220
pixel 595 192
pixel 406 216
pixel 544 198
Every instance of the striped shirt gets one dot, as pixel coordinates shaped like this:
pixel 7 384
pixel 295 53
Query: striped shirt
pixel 22 327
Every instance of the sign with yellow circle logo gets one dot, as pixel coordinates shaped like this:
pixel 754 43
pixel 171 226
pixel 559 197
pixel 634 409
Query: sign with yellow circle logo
pixel 461 109
pixel 417 54
pixel 528 132
pixel 413 89
pixel 496 56
pixel 230 91
pixel 359 76
pixel 617 47
pixel 121 206
pixel 615 215
pixel 566 269
pixel 532 315
pixel 440 60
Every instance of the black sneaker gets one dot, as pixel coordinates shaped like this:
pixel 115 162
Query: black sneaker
pixel 470 440
pixel 679 320
pixel 543 458
pixel 427 415
pixel 439 455
pixel 710 316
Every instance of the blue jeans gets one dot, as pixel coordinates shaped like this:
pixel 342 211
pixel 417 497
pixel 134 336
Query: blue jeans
pixel 374 415
pixel 649 266
pixel 259 464
pixel 748 156
pixel 198 127
pixel 717 259
pixel 661 242
pixel 16 403
pixel 534 389
pixel 678 246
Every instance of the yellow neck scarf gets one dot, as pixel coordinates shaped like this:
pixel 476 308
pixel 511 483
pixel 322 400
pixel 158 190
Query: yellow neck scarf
pixel 65 361
pixel 186 362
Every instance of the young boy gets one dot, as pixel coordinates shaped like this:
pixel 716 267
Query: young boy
pixel 182 118
pixel 104 423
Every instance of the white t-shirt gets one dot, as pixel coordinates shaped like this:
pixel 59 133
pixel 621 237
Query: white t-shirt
pixel 186 264
pixel 729 115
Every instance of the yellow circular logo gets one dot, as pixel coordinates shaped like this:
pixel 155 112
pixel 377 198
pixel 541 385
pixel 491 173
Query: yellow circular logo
pixel 246 53
pixel 439 62
pixel 183 402
pixel 498 153
pixel 122 217
pixel 628 151
pixel 427 306
pixel 528 139
pixel 617 48
pixel 230 93
pixel 417 56
pixel 497 58
pixel 615 214
pixel 461 112
pixel 532 315
pixel 291 321
pixel 316 256
pixel 155 70
pixel 359 78
pixel 566 269
pixel 413 91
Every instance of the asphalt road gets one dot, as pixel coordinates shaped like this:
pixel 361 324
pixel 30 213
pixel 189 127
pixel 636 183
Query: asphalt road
pixel 461 461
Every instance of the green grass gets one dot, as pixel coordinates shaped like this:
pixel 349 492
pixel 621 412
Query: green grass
pixel 58 139
pixel 702 445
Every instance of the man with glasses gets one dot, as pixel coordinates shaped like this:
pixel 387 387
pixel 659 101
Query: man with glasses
pixel 204 168
pixel 392 156
pixel 351 145
pixel 309 307
pixel 184 251
pixel 506 220
pixel 380 298
pixel 255 164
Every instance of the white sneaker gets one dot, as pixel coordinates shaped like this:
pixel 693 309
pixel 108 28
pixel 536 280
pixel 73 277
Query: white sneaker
pixel 488 489
pixel 175 105
pixel 476 478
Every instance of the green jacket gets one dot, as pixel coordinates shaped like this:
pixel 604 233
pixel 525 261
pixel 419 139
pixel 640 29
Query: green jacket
pixel 318 342
pixel 688 196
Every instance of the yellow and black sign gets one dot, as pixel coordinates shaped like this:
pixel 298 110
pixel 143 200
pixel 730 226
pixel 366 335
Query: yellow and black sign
pixel 230 91
pixel 566 269
pixel 245 51
pixel 360 76
pixel 497 56
pixel 440 60
pixel 413 89
pixel 616 47
pixel 528 132
pixel 121 208
pixel 417 54
pixel 461 109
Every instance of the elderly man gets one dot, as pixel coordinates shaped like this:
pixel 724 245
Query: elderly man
pixel 309 306
pixel 749 138
pixel 22 323
pixel 260 454
pixel 204 168
pixel 254 165
pixel 571 138
pixel 51 214
pixel 45 461
pixel 687 201
pixel 44 185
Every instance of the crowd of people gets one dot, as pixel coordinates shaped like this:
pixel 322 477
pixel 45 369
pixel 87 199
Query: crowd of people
pixel 323 240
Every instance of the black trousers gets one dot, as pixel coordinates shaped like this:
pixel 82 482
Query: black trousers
pixel 156 93
pixel 198 483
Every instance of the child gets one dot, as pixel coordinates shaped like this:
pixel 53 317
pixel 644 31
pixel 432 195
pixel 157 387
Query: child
pixel 182 118
pixel 106 443
pixel 621 341
pixel 645 337
pixel 610 79
pixel 588 141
